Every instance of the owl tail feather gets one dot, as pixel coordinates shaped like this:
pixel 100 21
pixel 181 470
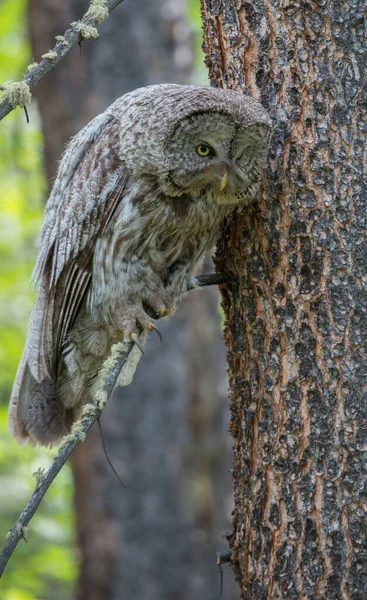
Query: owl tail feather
pixel 35 415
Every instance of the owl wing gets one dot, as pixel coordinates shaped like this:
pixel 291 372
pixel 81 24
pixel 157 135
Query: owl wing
pixel 87 190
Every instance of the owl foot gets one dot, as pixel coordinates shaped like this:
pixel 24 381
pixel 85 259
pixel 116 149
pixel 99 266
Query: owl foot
pixel 132 316
pixel 131 319
pixel 158 303
pixel 157 332
pixel 135 339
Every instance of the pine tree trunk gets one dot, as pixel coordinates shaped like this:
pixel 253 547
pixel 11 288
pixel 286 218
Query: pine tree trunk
pixel 296 313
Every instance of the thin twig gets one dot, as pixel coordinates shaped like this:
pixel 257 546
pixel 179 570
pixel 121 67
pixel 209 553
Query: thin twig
pixel 72 441
pixel 71 38
pixel 222 558
pixel 106 453
pixel 210 279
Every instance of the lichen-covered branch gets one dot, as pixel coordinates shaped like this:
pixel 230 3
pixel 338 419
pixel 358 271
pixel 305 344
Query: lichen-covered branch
pixel 91 413
pixel 18 93
pixel 80 429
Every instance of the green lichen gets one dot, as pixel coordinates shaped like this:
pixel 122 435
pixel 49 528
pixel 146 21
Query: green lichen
pixel 86 32
pixel 99 391
pixel 109 363
pixel 98 11
pixel 22 530
pixel 76 435
pixel 77 432
pixel 50 55
pixel 100 397
pixel 17 93
pixel 39 475
pixel 89 410
pixel 32 66
pixel 60 38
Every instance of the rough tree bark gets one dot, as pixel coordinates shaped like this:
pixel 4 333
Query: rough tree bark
pixel 166 434
pixel 296 317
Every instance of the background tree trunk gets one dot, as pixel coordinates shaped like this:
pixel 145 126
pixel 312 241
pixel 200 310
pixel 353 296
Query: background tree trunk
pixel 296 317
pixel 166 434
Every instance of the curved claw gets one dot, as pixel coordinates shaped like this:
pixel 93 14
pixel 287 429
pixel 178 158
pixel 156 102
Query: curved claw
pixel 154 328
pixel 135 339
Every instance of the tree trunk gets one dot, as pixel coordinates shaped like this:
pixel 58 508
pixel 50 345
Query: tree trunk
pixel 296 314
pixel 165 434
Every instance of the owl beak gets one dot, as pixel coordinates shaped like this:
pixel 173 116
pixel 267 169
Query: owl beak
pixel 220 172
pixel 223 181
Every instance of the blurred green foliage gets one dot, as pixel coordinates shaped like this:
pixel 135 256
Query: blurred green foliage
pixel 200 74
pixel 46 566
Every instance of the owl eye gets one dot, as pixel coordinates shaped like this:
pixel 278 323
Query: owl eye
pixel 204 150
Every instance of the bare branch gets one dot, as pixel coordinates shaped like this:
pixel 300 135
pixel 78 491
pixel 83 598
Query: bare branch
pixel 90 415
pixel 210 279
pixel 80 30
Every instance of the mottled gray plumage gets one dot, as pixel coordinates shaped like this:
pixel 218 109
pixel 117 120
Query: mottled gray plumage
pixel 133 209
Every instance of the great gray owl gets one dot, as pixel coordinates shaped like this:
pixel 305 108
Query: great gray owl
pixel 137 201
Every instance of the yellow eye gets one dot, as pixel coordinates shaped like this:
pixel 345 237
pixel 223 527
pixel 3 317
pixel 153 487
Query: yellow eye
pixel 203 150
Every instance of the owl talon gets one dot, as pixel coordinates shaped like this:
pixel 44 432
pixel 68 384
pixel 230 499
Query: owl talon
pixel 154 328
pixel 158 313
pixel 164 312
pixel 135 338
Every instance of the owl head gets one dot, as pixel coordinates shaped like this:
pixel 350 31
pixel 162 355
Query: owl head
pixel 196 139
